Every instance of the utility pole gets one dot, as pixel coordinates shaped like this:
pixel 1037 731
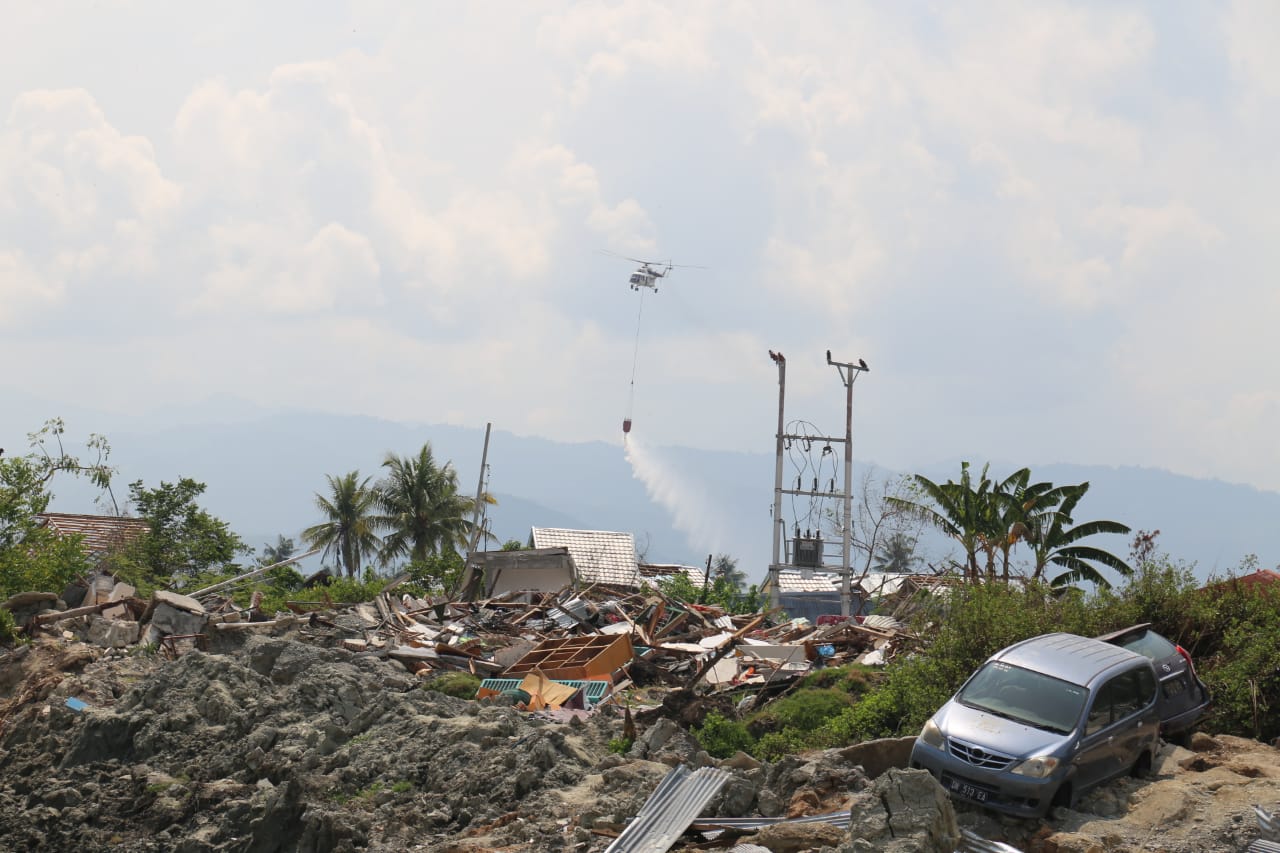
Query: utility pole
pixel 811 556
pixel 848 375
pixel 778 524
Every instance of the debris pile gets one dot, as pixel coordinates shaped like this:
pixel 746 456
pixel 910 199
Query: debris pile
pixel 184 722
pixel 602 640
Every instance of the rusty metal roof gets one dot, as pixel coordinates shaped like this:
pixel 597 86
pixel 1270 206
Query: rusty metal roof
pixel 102 533
pixel 601 556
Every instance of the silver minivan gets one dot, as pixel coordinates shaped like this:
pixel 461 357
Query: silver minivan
pixel 1041 722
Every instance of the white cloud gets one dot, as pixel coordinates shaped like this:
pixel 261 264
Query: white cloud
pixel 974 199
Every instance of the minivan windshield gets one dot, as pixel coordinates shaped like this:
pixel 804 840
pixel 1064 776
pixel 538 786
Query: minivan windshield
pixel 1025 696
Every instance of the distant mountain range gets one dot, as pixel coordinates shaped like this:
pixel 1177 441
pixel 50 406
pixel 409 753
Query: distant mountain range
pixel 263 471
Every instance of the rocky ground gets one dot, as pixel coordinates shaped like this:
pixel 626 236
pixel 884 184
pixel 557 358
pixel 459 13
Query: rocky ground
pixel 273 744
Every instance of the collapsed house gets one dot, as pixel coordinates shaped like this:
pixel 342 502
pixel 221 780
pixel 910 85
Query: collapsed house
pixel 571 622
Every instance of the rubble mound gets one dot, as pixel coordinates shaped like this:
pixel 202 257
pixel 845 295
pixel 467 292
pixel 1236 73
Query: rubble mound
pixel 282 744
pixel 279 746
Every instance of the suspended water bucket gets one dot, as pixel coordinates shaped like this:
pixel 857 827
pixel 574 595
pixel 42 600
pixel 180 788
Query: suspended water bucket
pixel 626 425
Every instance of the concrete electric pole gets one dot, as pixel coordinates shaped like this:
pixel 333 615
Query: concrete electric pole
pixel 807 552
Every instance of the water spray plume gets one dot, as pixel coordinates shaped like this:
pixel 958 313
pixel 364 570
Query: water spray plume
pixel 693 511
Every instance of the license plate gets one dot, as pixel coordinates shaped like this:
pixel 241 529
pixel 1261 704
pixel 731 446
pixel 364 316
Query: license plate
pixel 1173 687
pixel 969 792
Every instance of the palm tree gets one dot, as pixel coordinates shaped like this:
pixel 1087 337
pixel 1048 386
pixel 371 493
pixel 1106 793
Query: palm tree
pixel 1053 540
pixel 957 509
pixel 726 567
pixel 896 555
pixel 349 531
pixel 422 511
pixel 282 550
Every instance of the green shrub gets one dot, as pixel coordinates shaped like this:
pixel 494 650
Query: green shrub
pixel 854 679
pixel 621 745
pixel 8 628
pixel 802 711
pixel 723 737
pixel 460 685
pixel 774 745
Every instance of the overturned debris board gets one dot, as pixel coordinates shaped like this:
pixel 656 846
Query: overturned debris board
pixel 679 798
pixel 584 658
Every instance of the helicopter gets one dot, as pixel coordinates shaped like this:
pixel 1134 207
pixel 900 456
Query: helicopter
pixel 649 272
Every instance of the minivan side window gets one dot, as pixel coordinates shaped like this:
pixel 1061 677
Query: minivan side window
pixel 1125 694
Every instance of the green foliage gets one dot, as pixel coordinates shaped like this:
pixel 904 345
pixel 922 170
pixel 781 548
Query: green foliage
pixel 724 590
pixel 283 548
pixel 33 558
pixel 774 745
pixel 346 590
pixel 423 512
pixel 988 519
pixel 513 545
pixel 1232 630
pixel 460 685
pixel 854 679
pixel 42 561
pixel 349 529
pixel 184 540
pixel 801 712
pixel 437 572
pixel 621 745
pixel 8 629
pixel 722 737
pixel 404 786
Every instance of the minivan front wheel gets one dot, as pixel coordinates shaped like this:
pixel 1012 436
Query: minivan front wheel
pixel 1142 766
pixel 1061 798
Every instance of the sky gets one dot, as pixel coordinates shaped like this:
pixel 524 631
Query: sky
pixel 1048 228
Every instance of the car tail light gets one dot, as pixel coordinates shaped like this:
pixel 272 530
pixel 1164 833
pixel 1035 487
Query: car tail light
pixel 1186 655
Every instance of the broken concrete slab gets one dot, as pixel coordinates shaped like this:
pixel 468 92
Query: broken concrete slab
pixel 119 592
pixel 904 811
pixel 168 619
pixel 112 633
pixel 177 600
pixel 877 756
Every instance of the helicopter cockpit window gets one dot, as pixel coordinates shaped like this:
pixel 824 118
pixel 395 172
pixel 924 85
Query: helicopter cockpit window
pixel 636 278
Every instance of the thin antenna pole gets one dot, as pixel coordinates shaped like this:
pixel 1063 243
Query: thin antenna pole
pixel 475 517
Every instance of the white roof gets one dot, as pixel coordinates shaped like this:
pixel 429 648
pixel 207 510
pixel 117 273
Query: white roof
pixel 602 556
pixel 807 580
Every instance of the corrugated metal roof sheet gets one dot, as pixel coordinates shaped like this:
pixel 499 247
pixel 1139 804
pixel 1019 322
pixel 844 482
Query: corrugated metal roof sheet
pixel 971 842
pixel 602 556
pixel 673 805
pixel 657 571
pixel 1268 823
pixel 749 823
pixel 102 533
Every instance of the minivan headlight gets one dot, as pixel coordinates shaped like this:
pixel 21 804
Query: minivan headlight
pixel 1038 767
pixel 931 734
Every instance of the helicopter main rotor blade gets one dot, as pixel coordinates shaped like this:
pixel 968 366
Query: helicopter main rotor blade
pixel 626 258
